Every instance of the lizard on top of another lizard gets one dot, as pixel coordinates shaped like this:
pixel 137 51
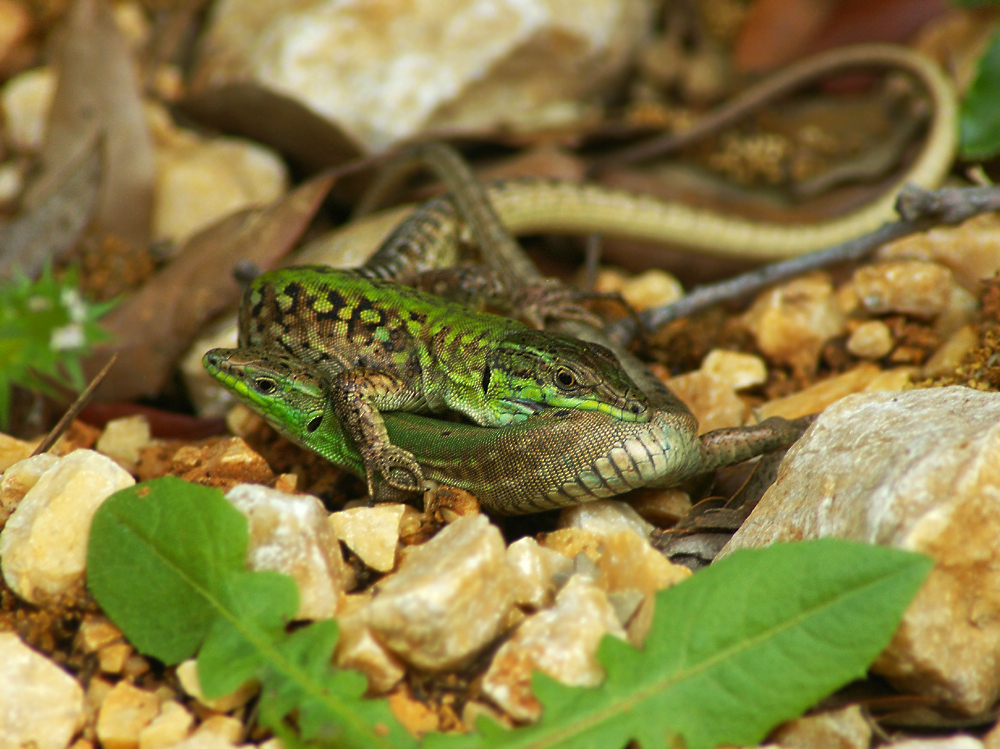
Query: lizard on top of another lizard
pixel 389 347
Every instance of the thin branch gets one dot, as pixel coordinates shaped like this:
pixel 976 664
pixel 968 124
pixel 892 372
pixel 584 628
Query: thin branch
pixel 921 210
pixel 74 410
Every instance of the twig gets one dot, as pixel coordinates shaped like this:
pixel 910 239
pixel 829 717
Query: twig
pixel 74 410
pixel 921 210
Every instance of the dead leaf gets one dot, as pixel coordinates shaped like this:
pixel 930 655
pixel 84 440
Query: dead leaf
pixel 50 229
pixel 155 326
pixel 98 95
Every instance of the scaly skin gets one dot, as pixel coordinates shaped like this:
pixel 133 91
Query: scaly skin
pixel 513 470
pixel 388 347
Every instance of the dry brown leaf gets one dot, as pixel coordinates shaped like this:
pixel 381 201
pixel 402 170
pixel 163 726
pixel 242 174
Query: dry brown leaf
pixel 154 326
pixel 98 95
pixel 50 229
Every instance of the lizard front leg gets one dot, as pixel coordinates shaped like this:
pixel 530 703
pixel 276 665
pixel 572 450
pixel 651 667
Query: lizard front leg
pixel 357 396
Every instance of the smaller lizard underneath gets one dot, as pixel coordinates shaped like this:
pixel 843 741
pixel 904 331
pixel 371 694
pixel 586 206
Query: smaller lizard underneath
pixel 387 347
pixel 514 470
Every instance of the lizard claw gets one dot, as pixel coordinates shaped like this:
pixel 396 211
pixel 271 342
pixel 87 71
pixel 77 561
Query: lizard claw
pixel 545 300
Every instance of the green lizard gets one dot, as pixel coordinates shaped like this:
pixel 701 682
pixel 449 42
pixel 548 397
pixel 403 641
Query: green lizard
pixel 388 347
pixel 559 457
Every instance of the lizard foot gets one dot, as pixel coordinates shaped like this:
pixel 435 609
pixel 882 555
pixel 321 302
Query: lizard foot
pixel 397 468
pixel 545 300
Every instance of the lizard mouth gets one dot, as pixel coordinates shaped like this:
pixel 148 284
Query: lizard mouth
pixel 528 406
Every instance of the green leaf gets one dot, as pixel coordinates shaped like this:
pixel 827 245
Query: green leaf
pixel 980 121
pixel 158 562
pixel 166 563
pixel 740 647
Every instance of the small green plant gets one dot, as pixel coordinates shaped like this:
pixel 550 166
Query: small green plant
pixel 46 328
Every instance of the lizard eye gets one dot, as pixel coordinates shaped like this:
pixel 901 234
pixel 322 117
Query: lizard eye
pixel 264 385
pixel 565 378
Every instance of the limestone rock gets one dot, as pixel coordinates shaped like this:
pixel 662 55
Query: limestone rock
pixel 651 288
pixel 870 340
pixel 223 464
pixel 846 728
pixel 25 101
pixel 535 570
pixel 187 675
pixel 19 478
pixel 43 547
pixel 714 403
pixel 942 742
pixel 624 560
pixel 450 597
pixel 561 642
pixel 866 377
pixel 605 516
pixel 123 439
pixel 289 533
pixel 199 180
pixel 384 71
pixel 170 727
pixel 908 287
pixel 40 704
pixel 916 470
pixel 13 450
pixel 791 322
pixel 971 250
pixel 125 712
pixel 358 648
pixel 370 532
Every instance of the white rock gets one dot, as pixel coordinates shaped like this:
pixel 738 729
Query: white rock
pixel 125 712
pixel 370 532
pixel 736 369
pixel 791 322
pixel 358 648
pixel 19 478
pixel 123 439
pixel 909 287
pixel 846 728
pixel 449 599
pixel 917 470
pixel 870 340
pixel 199 181
pixel 560 642
pixel 25 100
pixel 605 516
pixel 187 676
pixel 43 547
pixel 534 572
pixel 388 69
pixel 41 706
pixel 171 726
pixel 289 533
pixel 13 450
pixel 943 742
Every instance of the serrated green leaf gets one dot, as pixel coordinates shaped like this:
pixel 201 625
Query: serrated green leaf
pixel 233 654
pixel 166 563
pixel 740 647
pixel 980 121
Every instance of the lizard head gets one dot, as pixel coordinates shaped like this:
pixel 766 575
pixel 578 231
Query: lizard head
pixel 532 369
pixel 284 391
